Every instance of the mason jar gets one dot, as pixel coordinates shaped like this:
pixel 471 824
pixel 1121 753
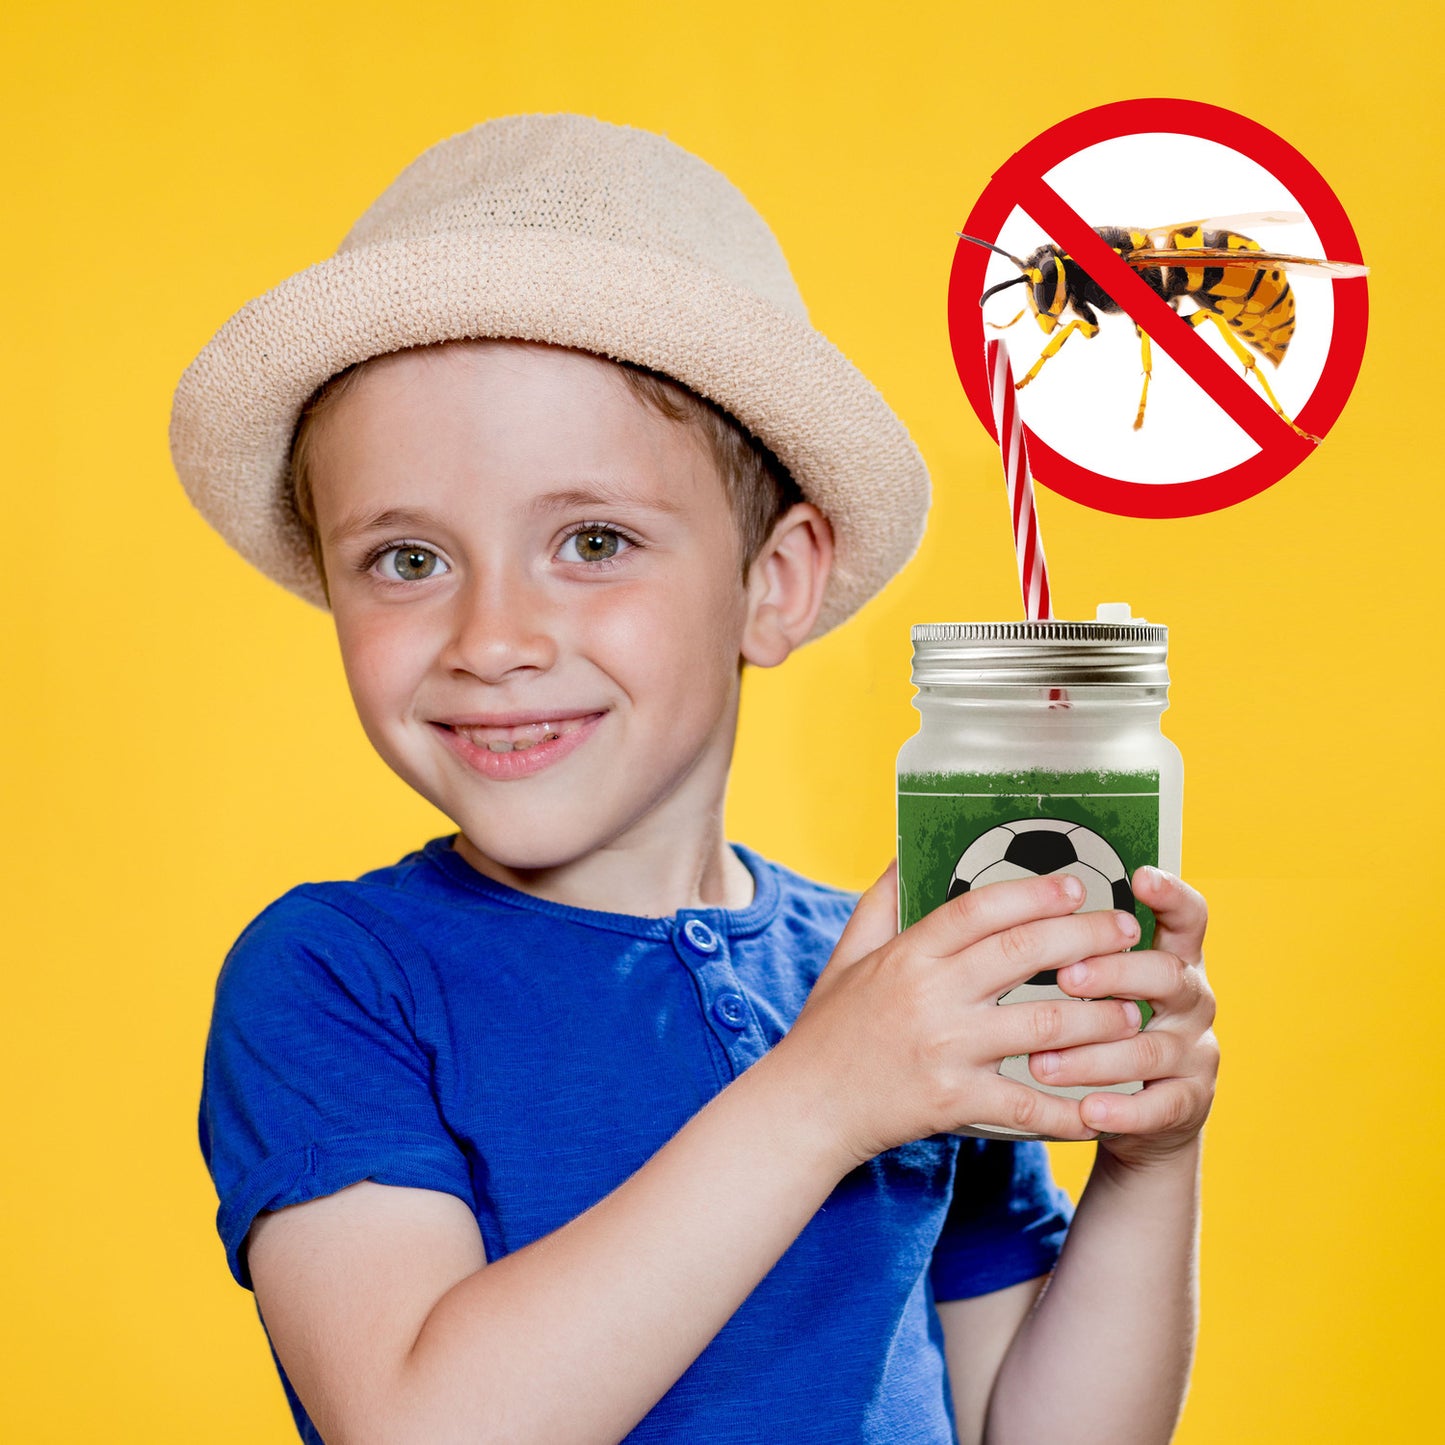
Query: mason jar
pixel 1039 750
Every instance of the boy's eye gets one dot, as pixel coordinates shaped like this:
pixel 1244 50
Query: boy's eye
pixel 593 544
pixel 410 563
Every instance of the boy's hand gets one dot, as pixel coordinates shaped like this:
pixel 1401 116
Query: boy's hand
pixel 1175 1054
pixel 902 1035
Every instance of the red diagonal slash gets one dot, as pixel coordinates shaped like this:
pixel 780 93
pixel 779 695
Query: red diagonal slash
pixel 1219 379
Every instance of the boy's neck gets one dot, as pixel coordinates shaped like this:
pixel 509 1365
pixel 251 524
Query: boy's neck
pixel 645 882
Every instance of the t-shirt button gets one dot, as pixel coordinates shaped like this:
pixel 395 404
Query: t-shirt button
pixel 699 935
pixel 728 1008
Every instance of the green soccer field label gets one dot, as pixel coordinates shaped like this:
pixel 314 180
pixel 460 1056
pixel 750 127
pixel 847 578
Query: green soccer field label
pixel 961 831
pixel 1099 827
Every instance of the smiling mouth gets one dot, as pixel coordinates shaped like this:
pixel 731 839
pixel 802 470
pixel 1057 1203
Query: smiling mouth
pixel 519 739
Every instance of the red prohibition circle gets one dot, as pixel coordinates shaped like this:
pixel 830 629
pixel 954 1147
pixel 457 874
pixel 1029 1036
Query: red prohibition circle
pixel 1020 182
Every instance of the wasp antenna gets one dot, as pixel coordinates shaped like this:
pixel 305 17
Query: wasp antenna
pixel 989 245
pixel 1002 286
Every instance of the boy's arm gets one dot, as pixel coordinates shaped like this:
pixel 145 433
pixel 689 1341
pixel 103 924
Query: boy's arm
pixel 392 1329
pixel 1105 1357
pixel 1105 1354
pixel 976 1335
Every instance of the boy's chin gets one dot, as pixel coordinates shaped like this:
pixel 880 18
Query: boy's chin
pixel 497 859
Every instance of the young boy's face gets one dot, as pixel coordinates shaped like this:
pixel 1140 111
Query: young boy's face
pixel 538 589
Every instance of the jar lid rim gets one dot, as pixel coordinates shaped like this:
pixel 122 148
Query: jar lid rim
pixel 1041 631
pixel 1040 654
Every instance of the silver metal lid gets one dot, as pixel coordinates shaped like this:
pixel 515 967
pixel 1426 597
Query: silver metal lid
pixel 1042 654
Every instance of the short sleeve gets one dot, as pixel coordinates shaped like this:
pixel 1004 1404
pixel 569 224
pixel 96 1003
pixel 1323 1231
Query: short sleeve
pixel 1006 1221
pixel 314 1074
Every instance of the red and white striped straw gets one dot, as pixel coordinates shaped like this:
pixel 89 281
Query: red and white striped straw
pixel 1033 570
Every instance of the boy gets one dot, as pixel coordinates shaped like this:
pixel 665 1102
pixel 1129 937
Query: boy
pixel 584 1125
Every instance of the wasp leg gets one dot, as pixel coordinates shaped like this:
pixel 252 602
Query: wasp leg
pixel 1146 356
pixel 1198 318
pixel 1005 326
pixel 1090 330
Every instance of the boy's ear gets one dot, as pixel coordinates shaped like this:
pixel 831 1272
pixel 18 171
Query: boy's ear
pixel 785 585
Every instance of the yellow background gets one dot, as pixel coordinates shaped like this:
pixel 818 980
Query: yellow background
pixel 180 748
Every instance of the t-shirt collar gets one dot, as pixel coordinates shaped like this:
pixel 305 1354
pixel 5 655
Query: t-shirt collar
pixel 732 922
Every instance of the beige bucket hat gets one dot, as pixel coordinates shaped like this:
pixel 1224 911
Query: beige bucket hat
pixel 560 229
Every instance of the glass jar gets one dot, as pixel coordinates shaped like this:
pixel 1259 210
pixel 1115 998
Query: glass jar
pixel 1038 751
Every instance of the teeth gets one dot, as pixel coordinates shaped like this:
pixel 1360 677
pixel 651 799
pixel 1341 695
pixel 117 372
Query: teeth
pixel 519 739
pixel 520 745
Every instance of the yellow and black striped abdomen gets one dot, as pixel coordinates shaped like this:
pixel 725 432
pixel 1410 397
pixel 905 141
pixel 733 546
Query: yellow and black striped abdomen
pixel 1255 302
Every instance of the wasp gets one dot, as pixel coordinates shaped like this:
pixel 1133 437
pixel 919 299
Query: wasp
pixel 1232 280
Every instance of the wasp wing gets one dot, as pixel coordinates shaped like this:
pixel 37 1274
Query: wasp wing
pixel 1255 260
pixel 1159 235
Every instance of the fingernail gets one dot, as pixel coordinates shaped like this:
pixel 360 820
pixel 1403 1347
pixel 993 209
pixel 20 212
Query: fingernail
pixel 1132 1014
pixel 1076 975
pixel 1128 925
pixel 1046 1064
pixel 1096 1114
pixel 1073 888
pixel 1150 876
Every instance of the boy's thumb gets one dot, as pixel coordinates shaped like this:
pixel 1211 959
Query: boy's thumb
pixel 874 921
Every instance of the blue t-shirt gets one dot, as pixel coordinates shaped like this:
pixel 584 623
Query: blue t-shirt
pixel 425 1026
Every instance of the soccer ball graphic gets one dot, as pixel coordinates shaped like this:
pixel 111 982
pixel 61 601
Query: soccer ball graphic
pixel 1027 847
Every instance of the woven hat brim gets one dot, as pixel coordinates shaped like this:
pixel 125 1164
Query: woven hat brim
pixel 236 407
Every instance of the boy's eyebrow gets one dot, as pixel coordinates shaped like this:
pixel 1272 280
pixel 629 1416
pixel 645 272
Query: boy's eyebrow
pixel 393 519
pixel 603 495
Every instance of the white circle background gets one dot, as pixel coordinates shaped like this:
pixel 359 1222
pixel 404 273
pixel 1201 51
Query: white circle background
pixel 1083 402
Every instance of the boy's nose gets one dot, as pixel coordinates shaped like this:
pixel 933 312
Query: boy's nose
pixel 503 625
